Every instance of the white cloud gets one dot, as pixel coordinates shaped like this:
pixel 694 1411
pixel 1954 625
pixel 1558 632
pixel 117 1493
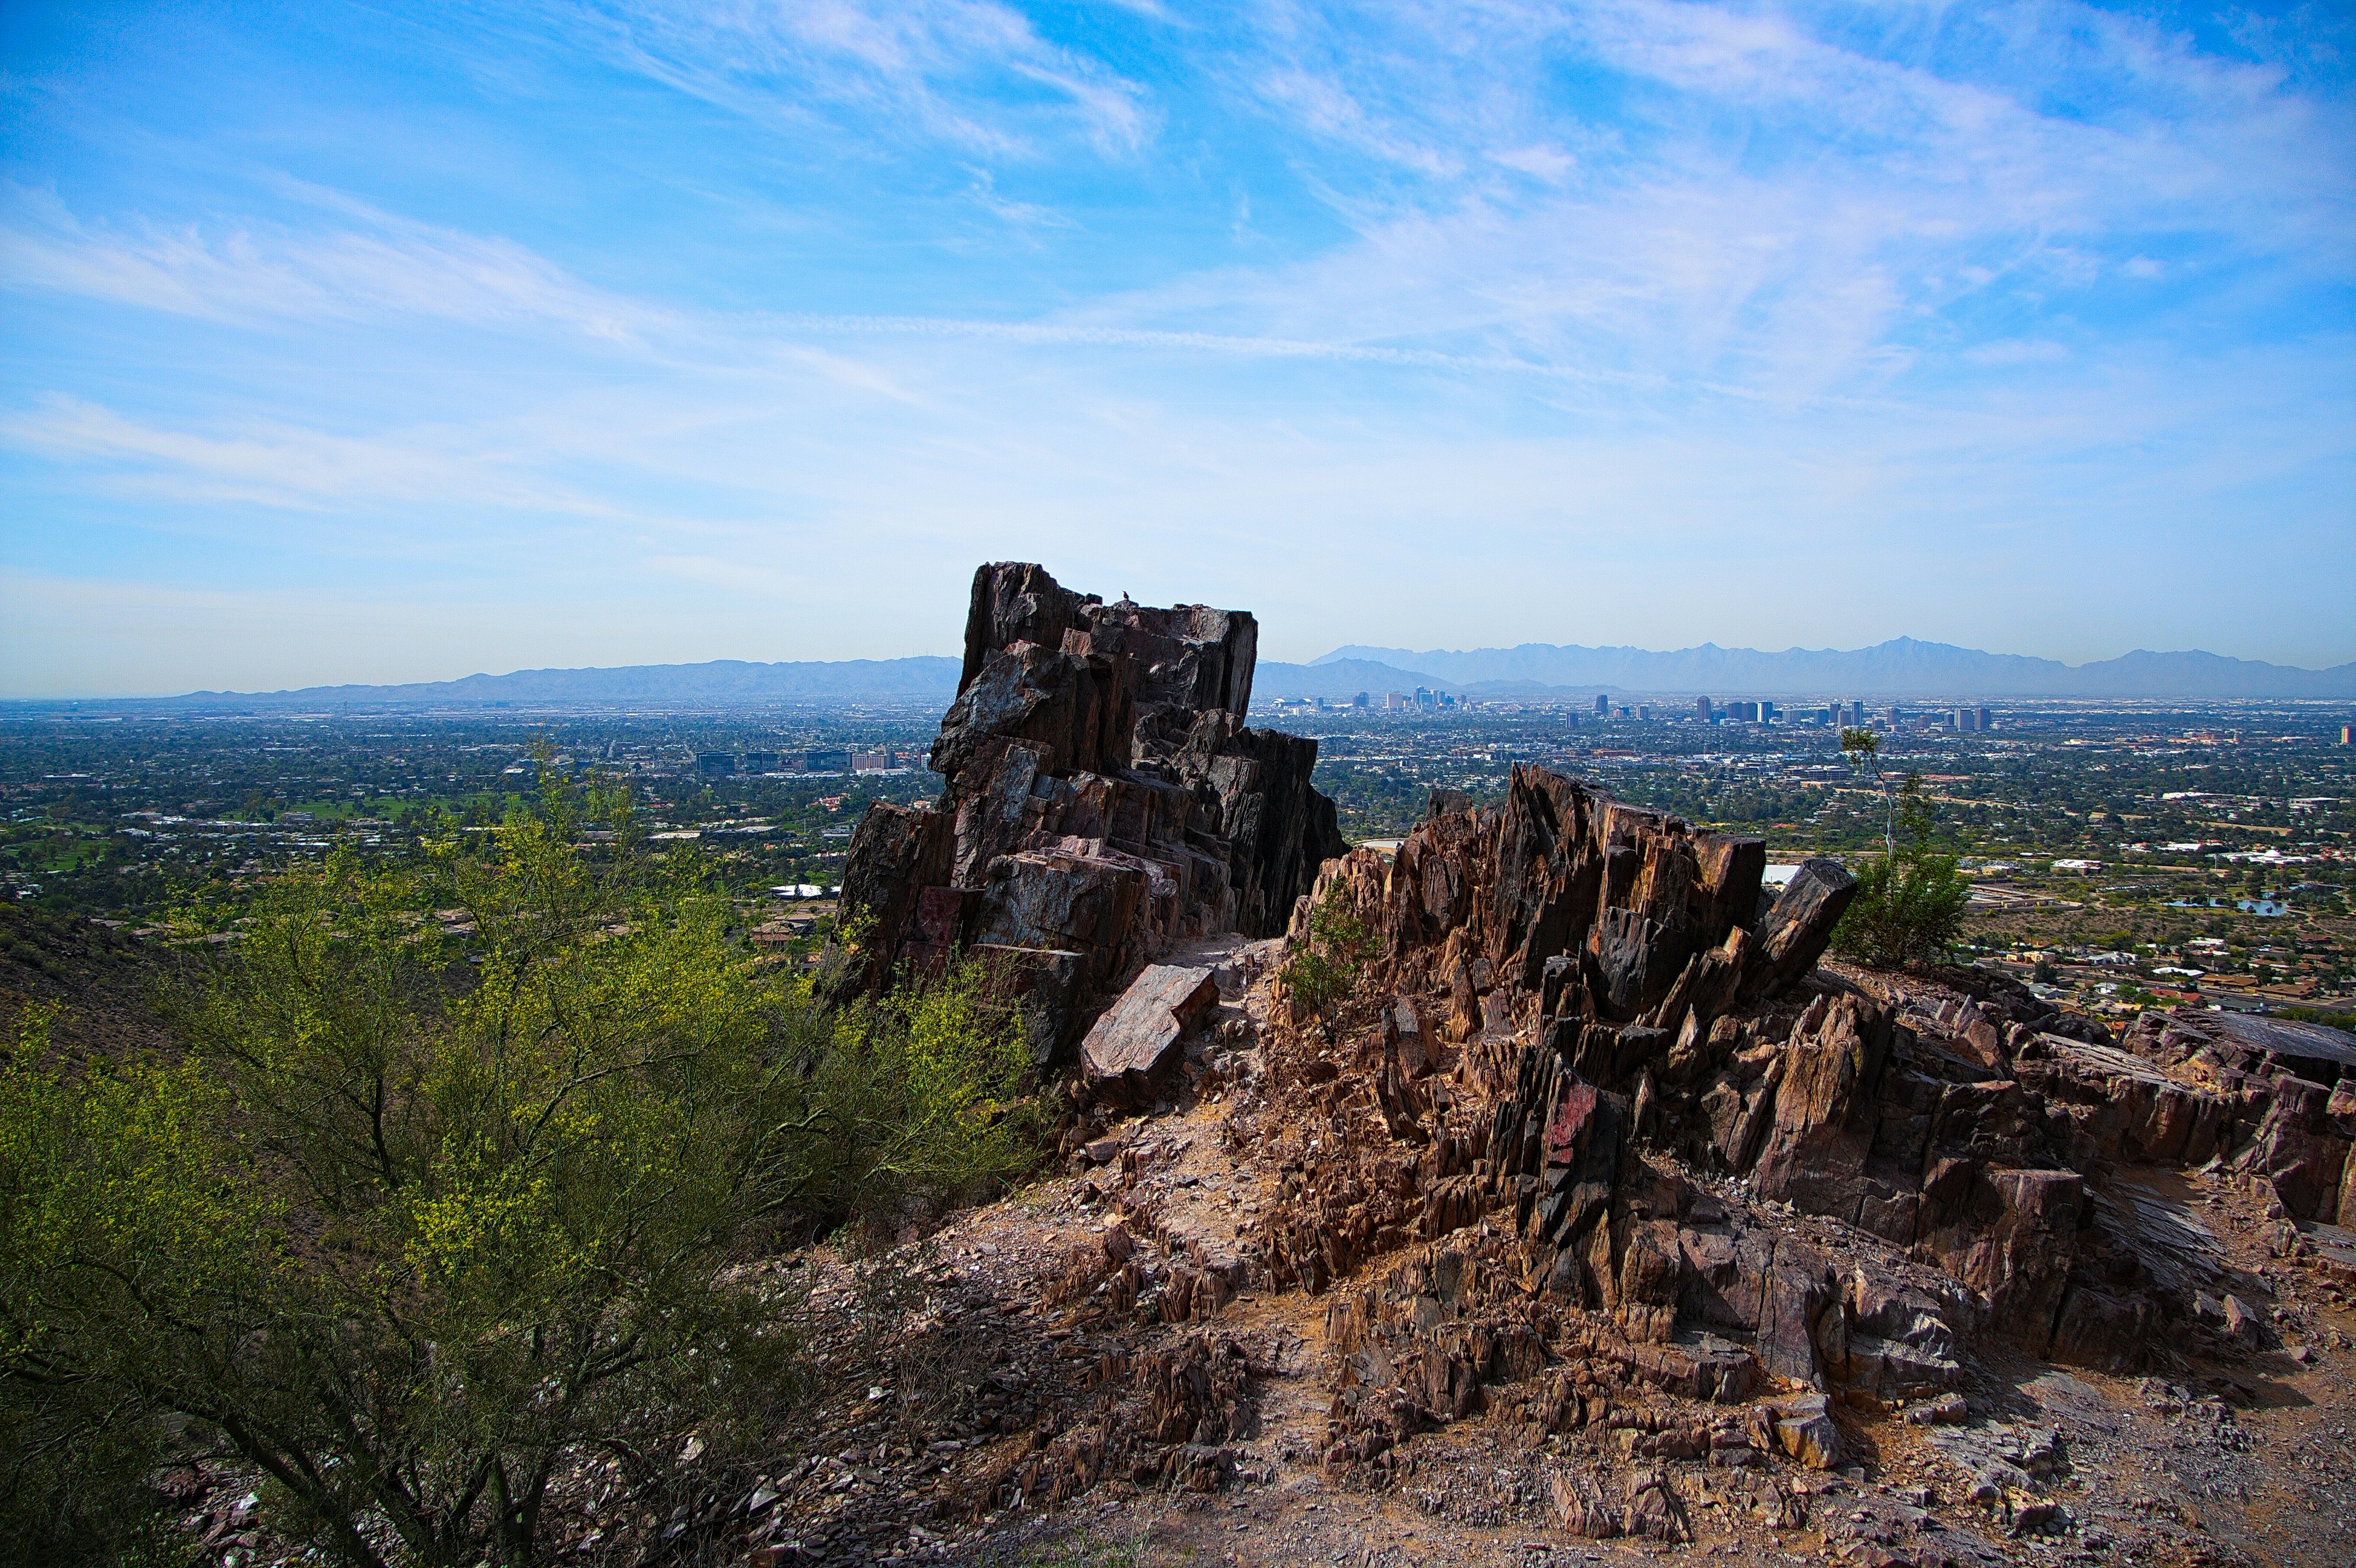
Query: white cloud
pixel 1776 190
pixel 1017 214
pixel 280 464
pixel 1549 163
pixel 2017 351
pixel 388 267
pixel 939 66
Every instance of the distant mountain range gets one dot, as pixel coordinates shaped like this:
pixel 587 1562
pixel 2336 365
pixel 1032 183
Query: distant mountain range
pixel 722 682
pixel 1902 666
pixel 1535 670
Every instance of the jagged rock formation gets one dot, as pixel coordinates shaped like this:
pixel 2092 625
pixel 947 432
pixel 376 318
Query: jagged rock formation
pixel 1644 1075
pixel 1627 1217
pixel 2284 1091
pixel 1599 1151
pixel 1104 800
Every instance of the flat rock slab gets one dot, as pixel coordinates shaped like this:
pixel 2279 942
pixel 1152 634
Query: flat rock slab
pixel 1131 1046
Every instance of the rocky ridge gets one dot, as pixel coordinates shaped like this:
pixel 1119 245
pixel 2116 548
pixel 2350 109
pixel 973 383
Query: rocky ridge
pixel 1647 1067
pixel 1603 1207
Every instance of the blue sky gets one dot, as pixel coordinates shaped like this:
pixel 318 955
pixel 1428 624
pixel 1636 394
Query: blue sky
pixel 381 343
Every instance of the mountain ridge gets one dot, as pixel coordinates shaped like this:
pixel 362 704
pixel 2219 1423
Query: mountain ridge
pixel 921 678
pixel 1901 666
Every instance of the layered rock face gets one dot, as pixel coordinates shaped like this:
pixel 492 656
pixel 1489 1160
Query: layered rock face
pixel 1587 1031
pixel 2284 1091
pixel 1104 800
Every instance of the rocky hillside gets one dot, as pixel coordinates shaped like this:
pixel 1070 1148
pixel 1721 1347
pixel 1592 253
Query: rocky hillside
pixel 1445 1276
pixel 1574 1210
pixel 1598 1210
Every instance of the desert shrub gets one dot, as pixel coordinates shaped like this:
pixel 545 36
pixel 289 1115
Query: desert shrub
pixel 1322 969
pixel 914 1095
pixel 1908 911
pixel 410 1224
pixel 74 1452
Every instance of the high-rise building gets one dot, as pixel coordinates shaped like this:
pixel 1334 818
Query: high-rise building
pixel 2347 734
pixel 1987 719
pixel 1701 710
pixel 716 762
pixel 1857 713
pixel 1643 711
pixel 1602 705
pixel 1967 719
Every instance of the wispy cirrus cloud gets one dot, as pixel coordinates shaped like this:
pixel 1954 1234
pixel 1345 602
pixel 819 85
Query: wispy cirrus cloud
pixel 1795 199
pixel 973 73
pixel 380 268
pixel 284 465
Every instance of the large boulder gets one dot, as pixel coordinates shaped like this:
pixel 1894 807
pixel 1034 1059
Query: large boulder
pixel 1798 927
pixel 1130 1051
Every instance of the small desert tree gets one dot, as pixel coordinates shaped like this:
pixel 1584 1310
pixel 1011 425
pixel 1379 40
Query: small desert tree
pixel 1323 968
pixel 1861 749
pixel 1910 901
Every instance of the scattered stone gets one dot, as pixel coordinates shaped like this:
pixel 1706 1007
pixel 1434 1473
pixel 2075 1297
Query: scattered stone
pixel 1946 1409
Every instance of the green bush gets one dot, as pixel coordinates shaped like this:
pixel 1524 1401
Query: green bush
pixel 411 1225
pixel 1321 971
pixel 1909 909
pixel 911 1096
pixel 75 1452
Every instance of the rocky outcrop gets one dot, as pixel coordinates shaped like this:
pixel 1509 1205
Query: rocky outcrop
pixel 1585 1032
pixel 2282 1092
pixel 1104 800
pixel 1599 1137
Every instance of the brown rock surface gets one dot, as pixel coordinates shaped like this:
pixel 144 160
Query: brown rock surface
pixel 1127 1054
pixel 1478 1312
pixel 1622 1016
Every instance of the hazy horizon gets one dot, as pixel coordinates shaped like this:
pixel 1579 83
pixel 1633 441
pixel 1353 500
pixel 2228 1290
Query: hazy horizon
pixel 1346 650
pixel 349 344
